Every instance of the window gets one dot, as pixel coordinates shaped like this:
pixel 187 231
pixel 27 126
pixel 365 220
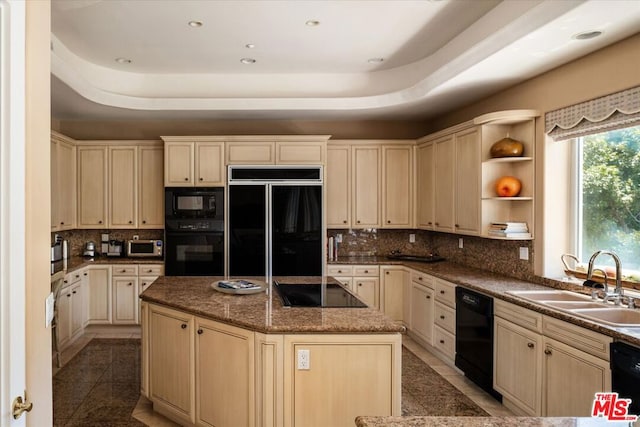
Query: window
pixel 608 196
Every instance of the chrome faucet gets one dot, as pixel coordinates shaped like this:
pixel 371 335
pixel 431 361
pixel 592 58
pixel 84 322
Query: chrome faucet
pixel 616 295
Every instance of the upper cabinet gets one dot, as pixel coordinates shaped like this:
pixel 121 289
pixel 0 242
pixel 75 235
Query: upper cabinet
pixel 276 149
pixel 123 187
pixel 369 184
pixel 63 183
pixel 92 186
pixel 425 186
pixel 191 162
pixel 151 191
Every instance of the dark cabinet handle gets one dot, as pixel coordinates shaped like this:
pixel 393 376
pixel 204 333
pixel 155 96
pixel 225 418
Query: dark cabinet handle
pixel 77 276
pixel 388 221
pixel 130 222
pixel 344 222
pixel 366 272
pixel 358 222
pixel 442 292
pixel 144 284
pixel 420 278
pixel 73 292
pixel 123 271
pixel 530 345
pixel 441 341
pixel 442 317
pixel 186 179
pixel 85 274
pixel 200 331
pixel 201 179
pixel 149 271
pixel 100 222
pixel 130 284
pixel 359 284
pixel 386 272
pixel 547 351
pixel 66 281
pixel 428 296
pixel 183 326
pixel 62 223
pixel 68 295
pixel 456 225
pixel 144 221
pixel 429 223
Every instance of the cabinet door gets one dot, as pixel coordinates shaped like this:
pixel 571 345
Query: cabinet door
pixel 77 307
pixel 178 164
pixel 397 188
pixel 425 186
pixel 125 300
pixel 517 366
pixel 63 320
pixel 444 173
pixel 250 153
pixel 467 192
pixel 143 283
pixel 368 289
pixel 151 194
pixel 99 295
pixel 571 378
pixel 66 176
pixel 55 186
pixel 171 366
pixel 210 164
pixel 392 281
pixel 92 187
pixel 366 187
pixel 422 301
pixel 338 186
pixel 123 188
pixel 300 153
pixel 225 382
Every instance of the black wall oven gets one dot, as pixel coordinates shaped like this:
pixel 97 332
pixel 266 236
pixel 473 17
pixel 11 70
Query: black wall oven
pixel 194 231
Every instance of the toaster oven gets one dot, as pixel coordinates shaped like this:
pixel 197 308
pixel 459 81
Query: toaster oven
pixel 144 248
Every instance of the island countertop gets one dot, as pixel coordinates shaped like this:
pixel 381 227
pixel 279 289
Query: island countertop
pixel 264 312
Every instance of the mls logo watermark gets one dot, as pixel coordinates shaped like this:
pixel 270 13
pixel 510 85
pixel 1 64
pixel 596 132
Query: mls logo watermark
pixel 611 407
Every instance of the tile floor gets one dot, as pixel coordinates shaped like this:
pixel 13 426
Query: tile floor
pixel 143 411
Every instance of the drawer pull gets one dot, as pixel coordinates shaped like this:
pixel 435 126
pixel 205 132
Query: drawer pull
pixel 186 179
pixel 68 295
pixel 429 223
pixel 386 272
pixel 130 284
pixel 442 292
pixel 130 222
pixel 183 326
pixel 344 222
pixel 388 222
pixel 441 341
pixel 366 272
pixel 442 317
pixel 359 284
pixel 123 271
pixel 73 292
pixel 530 345
pixel 200 331
pixel 144 221
pixel 77 276
pixel 85 274
pixel 339 271
pixel 100 222
pixel 420 278
pixel 428 296
pixel 358 221
pixel 201 179
pixel 149 271
pixel 547 351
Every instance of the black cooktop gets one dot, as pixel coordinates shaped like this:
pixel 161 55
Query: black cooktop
pixel 325 295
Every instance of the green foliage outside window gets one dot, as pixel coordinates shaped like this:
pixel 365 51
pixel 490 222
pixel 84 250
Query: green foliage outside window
pixel 611 195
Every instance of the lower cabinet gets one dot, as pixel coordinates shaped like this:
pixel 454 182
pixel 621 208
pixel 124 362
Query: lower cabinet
pixel 392 289
pixel 546 367
pixel 99 295
pixel 422 305
pixel 125 300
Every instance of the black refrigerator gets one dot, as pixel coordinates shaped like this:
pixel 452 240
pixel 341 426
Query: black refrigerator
pixel 275 224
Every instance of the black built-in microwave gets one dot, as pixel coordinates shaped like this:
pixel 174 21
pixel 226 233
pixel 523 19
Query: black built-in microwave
pixel 190 202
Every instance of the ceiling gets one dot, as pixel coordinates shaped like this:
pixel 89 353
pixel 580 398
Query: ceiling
pixel 345 59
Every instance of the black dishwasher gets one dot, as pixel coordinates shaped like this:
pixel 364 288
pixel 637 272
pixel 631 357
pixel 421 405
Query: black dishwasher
pixel 474 338
pixel 625 373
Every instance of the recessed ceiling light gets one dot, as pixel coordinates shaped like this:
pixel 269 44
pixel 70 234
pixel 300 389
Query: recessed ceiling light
pixel 195 24
pixel 248 60
pixel 249 45
pixel 312 23
pixel 587 35
pixel 375 60
pixel 123 61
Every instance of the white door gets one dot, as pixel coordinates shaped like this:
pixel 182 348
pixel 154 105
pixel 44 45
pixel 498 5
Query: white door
pixel 12 208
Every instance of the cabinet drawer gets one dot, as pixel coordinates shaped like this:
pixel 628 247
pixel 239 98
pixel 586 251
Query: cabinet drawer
pixel 422 278
pixel 151 269
pixel 124 270
pixel 72 277
pixel 347 282
pixel 583 339
pixel 518 315
pixel 445 317
pixel 366 270
pixel 339 270
pixel 445 292
pixel 444 341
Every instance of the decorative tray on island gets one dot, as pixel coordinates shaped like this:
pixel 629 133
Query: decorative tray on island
pixel 239 286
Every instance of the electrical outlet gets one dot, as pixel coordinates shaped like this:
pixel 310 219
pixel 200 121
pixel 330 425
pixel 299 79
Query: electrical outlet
pixel 524 253
pixel 338 238
pixel 412 238
pixel 303 360
pixel 460 243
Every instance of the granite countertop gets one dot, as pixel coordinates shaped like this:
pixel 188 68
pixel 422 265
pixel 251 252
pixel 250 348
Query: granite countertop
pixel 498 286
pixel 264 312
pixel 417 421
pixel 75 263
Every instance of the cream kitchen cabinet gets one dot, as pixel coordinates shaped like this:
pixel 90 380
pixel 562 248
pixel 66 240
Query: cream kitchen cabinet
pixel 191 162
pixel 342 273
pixel 276 149
pixel 123 187
pixel 444 183
pixel 366 182
pixel 425 186
pixel 547 367
pixel 63 183
pixel 225 384
pixel 393 284
pixel 338 186
pixel 366 284
pixel 301 152
pixel 397 186
pixel 467 182
pixel 444 325
pixel 251 153
pixel 171 336
pixel 422 306
pixel 70 306
pixel 151 187
pixel 99 294
pixel 125 300
pixel 92 186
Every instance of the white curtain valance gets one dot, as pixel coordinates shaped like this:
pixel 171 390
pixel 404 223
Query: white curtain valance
pixel 618 110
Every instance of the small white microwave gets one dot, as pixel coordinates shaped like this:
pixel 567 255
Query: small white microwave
pixel 145 248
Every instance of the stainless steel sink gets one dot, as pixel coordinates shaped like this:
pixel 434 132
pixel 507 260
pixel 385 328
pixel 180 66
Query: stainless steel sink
pixel 543 296
pixel 620 317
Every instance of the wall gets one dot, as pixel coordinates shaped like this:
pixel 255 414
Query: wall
pixel 608 70
pixel 153 129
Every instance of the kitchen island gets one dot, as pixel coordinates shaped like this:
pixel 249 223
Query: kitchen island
pixel 210 358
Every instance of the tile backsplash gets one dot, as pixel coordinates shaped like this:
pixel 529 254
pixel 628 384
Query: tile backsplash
pixel 498 256
pixel 77 238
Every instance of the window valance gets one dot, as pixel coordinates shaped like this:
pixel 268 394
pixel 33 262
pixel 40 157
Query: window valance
pixel 615 111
